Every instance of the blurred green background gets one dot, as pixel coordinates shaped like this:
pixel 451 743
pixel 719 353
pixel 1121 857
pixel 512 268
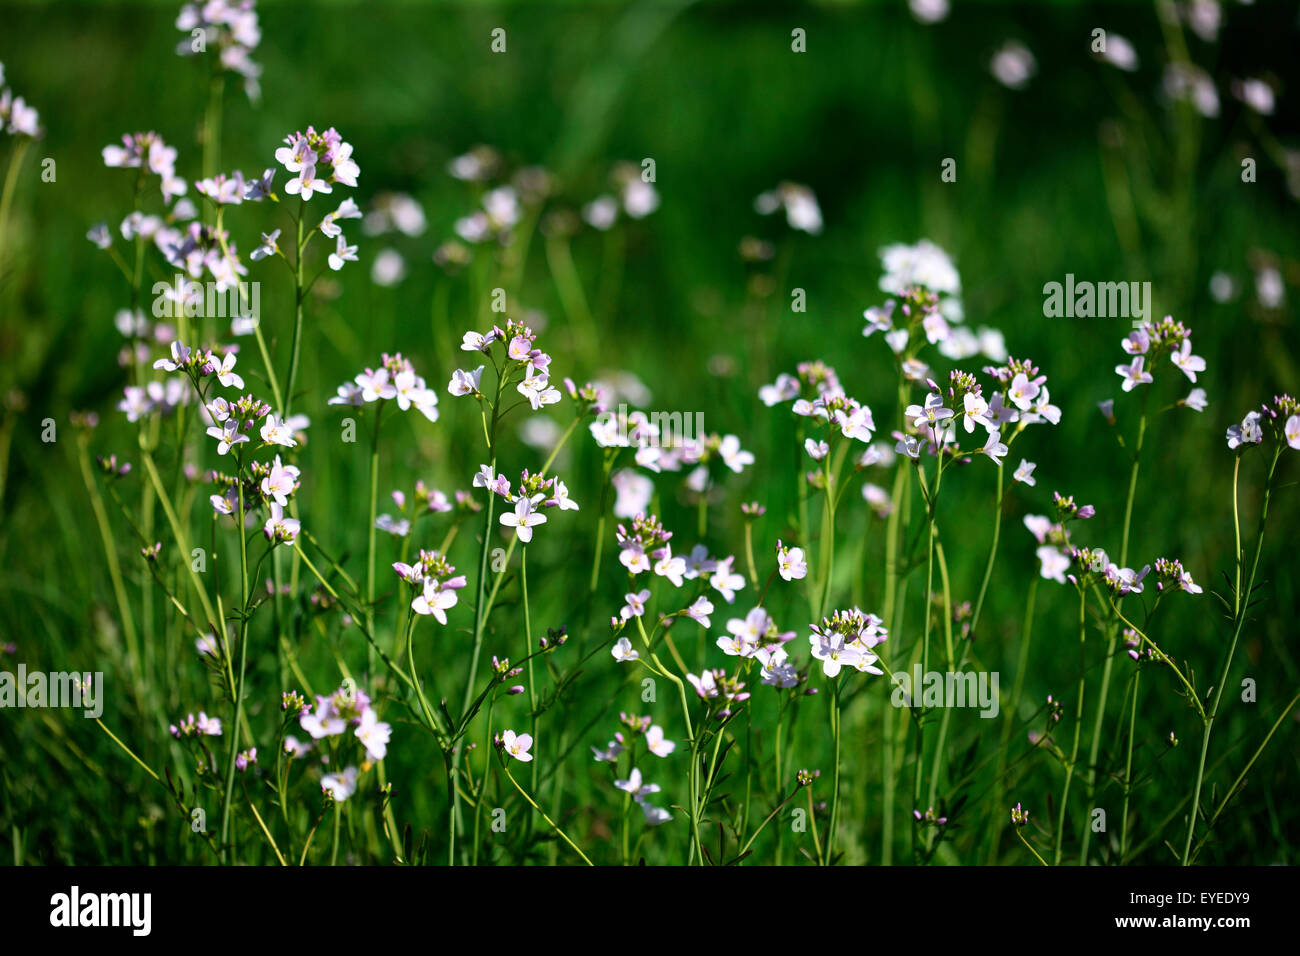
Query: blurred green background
pixel 1087 171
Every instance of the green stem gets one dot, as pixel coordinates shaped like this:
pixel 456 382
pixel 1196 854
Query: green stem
pixel 11 181
pixel 553 825
pixel 1078 725
pixel 110 556
pixel 1243 606
pixel 1026 634
pixel 243 659
pixel 371 529
pixel 298 295
pixel 1128 770
pixel 835 785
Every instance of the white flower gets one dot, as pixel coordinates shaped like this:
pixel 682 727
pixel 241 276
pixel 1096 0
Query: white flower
pixel 654 815
pixel 561 496
pixel 340 786
pixel 635 606
pixel 733 456
pixel 342 253
pixel 790 563
pixel 975 412
pixel 518 745
pixel 373 735
pixel 227 436
pixel 523 519
pixel 180 353
pixel 699 612
pixel 1025 473
pixel 465 383
pixel 276 432
pixel 656 743
pixel 633 492
pixel 1013 65
pixel 279 528
pixel 306 184
pixel 601 212
pixel 776 671
pixel 1247 433
pixel 1119 52
pixel 1053 563
pixel 924 264
pixel 623 651
pixel 639 198
pixel 401 528
pixel 834 653
pixel 635 786
pixel 1134 375
pixel 994 448
pixel 670 567
pixel 726 581
pixel 278 484
pixel 1185 360
pixel 435 600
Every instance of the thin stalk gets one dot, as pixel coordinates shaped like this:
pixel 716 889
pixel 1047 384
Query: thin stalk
pixel 298 296
pixel 11 181
pixel 110 556
pixel 243 660
pixel 835 785
pixel 1026 634
pixel 1242 606
pixel 553 825
pixel 371 528
pixel 1078 725
pixel 1128 770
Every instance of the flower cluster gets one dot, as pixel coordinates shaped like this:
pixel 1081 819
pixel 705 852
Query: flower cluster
pixel 755 632
pixel 1021 398
pixel 394 380
pixel 148 153
pixel 1171 576
pixel 1280 418
pixel 715 684
pixel 639 729
pixel 17 117
pixel 1094 566
pixel 309 154
pixel 817 395
pixel 802 212
pixel 639 790
pixel 520 355
pixel 346 709
pixel 204 726
pixel 846 638
pixel 1153 341
pixel 231 27
pixel 162 397
pixel 926 309
pixel 495 221
pixel 436 581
